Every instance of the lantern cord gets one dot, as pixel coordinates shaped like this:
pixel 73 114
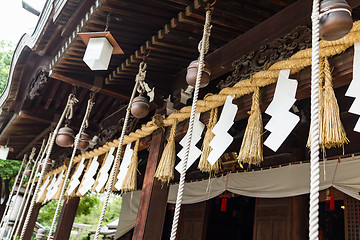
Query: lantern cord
pixel 76 143
pixel 10 197
pixel 71 101
pixel 139 79
pixel 30 187
pixel 314 149
pixel 31 159
pixel 203 49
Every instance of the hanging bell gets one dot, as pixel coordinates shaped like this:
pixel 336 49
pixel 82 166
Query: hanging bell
pixel 84 141
pixel 65 137
pixel 140 107
pixel 191 74
pixel 335 19
pixel 48 165
pixel 28 171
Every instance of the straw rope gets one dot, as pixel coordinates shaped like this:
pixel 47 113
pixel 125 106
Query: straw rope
pixel 295 63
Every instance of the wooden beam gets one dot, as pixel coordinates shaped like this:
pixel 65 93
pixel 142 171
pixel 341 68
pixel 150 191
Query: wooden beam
pixel 66 218
pixel 154 194
pixel 30 227
pixel 298 13
pixel 89 85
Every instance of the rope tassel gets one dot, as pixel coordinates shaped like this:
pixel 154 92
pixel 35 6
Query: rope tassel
pixel 251 151
pixel 333 131
pixel 165 170
pixel 129 183
pixel 204 164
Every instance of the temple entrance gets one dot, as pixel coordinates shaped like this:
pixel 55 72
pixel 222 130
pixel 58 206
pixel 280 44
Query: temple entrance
pixel 331 222
pixel 236 222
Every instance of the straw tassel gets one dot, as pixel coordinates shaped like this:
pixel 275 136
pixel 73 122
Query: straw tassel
pixel 333 131
pixel 204 164
pixel 165 170
pixel 251 148
pixel 129 183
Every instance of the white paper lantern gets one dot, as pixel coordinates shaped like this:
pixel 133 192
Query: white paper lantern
pixel 98 53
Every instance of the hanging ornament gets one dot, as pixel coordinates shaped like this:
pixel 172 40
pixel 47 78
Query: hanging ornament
pixel 251 151
pixel 165 169
pixel 335 19
pixel 282 121
pixel 65 137
pixel 129 183
pixel 140 107
pixel 195 152
pixel 84 141
pixel 224 197
pixel 191 74
pixel 204 164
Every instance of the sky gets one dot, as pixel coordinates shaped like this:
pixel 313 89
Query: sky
pixel 15 21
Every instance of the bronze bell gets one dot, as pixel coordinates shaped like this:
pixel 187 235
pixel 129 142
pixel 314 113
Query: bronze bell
pixel 48 165
pixel 192 74
pixel 140 107
pixel 84 141
pixel 27 171
pixel 65 137
pixel 335 19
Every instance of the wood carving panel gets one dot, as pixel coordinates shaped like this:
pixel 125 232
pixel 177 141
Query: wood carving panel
pixel 37 84
pixel 265 56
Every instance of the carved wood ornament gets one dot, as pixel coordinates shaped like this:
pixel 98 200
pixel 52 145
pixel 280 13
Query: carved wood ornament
pixel 280 49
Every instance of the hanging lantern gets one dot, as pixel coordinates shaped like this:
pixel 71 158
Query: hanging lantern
pixel 100 47
pixel 84 141
pixel 140 107
pixel 65 137
pixel 335 19
pixel 191 74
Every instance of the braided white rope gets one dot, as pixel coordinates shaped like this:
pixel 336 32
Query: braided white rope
pixel 71 101
pixel 33 174
pixel 203 49
pixel 31 159
pixel 84 124
pixel 314 126
pixel 140 77
pixel 4 221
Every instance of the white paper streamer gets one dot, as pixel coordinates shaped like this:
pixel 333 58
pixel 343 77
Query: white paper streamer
pixel 282 122
pixel 42 188
pixel 354 87
pixel 124 166
pixel 50 187
pixel 195 152
pixel 54 188
pixel 222 138
pixel 89 180
pixel 75 181
pixel 104 171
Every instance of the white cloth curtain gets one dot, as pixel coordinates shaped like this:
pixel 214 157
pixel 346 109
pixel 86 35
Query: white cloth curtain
pixel 287 181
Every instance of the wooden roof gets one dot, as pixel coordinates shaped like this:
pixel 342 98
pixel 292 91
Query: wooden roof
pixel 169 30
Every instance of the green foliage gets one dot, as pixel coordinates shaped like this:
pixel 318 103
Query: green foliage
pixel 9 168
pixel 6 54
pixel 87 205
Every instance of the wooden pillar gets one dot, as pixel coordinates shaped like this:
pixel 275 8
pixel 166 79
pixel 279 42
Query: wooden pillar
pixel 66 218
pixel 30 227
pixel 153 201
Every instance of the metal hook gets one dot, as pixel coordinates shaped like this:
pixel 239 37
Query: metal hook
pixel 107 22
pixel 145 56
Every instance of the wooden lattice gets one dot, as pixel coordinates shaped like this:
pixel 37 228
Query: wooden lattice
pixel 352 217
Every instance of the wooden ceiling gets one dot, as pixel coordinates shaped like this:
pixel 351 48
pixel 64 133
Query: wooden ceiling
pixel 169 30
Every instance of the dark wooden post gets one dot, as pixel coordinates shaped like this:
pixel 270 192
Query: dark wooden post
pixel 153 201
pixel 66 218
pixel 30 227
